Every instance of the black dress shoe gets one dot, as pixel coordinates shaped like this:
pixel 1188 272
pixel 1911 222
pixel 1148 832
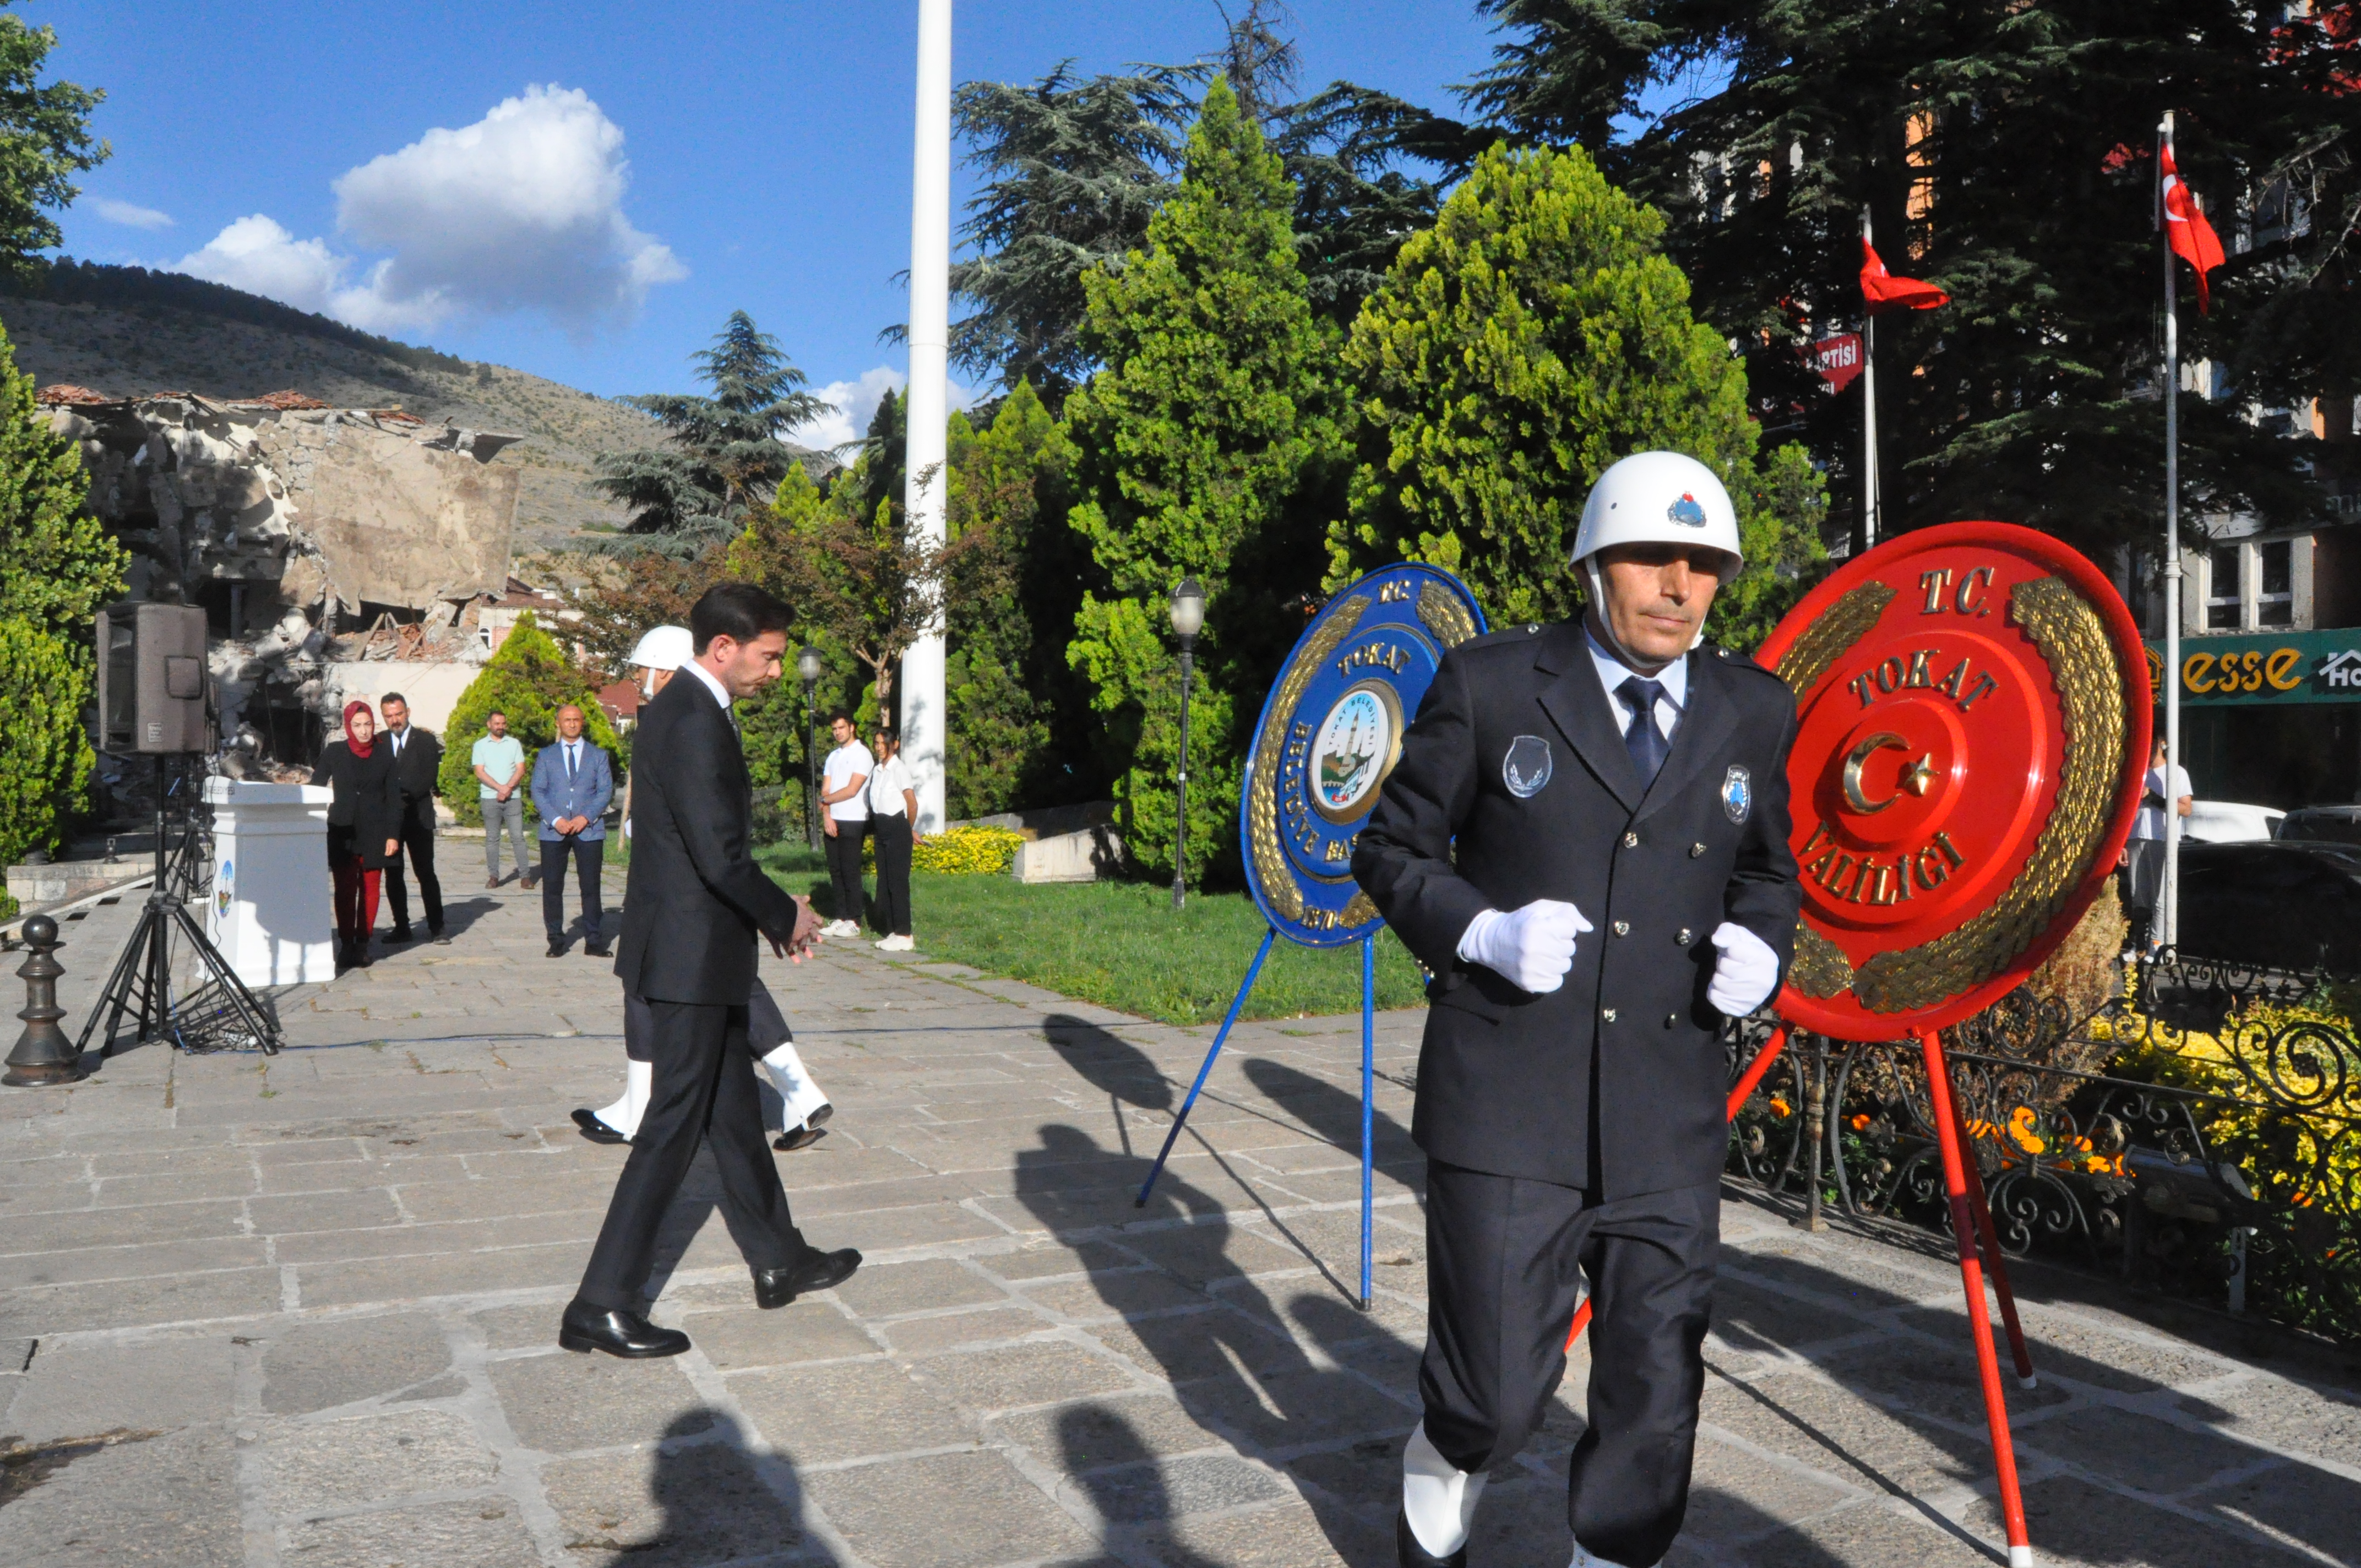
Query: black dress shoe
pixel 597 950
pixel 618 1333
pixel 398 934
pixel 595 1130
pixel 817 1271
pixel 1413 1556
pixel 556 947
pixel 441 938
pixel 795 1138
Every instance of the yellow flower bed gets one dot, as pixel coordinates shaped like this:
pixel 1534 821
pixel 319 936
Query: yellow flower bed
pixel 966 851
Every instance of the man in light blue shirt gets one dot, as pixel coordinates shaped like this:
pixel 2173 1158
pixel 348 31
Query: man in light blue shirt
pixel 498 758
pixel 571 786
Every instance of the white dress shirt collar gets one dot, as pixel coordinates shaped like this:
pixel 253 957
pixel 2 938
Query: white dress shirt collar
pixel 720 693
pixel 1613 671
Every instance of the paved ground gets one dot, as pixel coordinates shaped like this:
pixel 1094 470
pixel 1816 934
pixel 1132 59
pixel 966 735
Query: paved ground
pixel 302 1311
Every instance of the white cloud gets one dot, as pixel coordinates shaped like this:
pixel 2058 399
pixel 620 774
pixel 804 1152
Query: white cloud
pixel 129 215
pixel 521 212
pixel 856 404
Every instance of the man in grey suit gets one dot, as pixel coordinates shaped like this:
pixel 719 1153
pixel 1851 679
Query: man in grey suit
pixel 691 910
pixel 572 784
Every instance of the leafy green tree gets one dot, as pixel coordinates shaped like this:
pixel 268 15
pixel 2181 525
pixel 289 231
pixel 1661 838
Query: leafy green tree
pixel 727 452
pixel 528 678
pixel 2004 151
pixel 57 564
pixel 44 141
pixel 1210 446
pixel 1534 336
pixel 45 753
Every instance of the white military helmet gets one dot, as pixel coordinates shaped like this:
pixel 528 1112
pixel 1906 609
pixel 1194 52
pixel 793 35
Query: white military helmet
pixel 1656 497
pixel 665 648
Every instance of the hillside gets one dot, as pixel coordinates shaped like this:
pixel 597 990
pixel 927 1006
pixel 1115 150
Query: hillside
pixel 131 348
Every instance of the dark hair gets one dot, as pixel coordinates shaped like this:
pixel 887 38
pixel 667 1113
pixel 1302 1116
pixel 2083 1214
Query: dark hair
pixel 494 713
pixel 740 612
pixel 834 714
pixel 393 696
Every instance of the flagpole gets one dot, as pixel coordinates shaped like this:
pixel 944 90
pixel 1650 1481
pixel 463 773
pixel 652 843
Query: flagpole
pixel 1868 412
pixel 2168 933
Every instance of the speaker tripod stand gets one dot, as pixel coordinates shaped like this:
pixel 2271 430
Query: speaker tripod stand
pixel 220 1014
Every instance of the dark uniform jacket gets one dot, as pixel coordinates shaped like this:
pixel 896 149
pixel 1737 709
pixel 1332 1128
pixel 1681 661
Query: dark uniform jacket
pixel 1615 1082
pixel 365 809
pixel 420 764
pixel 695 898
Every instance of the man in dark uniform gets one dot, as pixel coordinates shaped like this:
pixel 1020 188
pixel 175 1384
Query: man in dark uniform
pixel 417 759
pixel 1585 841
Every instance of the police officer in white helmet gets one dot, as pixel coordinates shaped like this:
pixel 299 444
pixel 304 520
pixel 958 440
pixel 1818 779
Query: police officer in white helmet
pixel 1585 841
pixel 657 656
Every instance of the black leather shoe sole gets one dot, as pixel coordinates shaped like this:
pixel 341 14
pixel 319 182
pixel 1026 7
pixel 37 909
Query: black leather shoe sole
pixel 568 1339
pixel 398 934
pixel 803 1137
pixel 776 1287
pixel 601 950
pixel 595 1130
pixel 1413 1556
pixel 557 950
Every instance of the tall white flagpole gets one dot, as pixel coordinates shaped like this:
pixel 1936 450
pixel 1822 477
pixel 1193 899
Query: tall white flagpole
pixel 925 722
pixel 2167 901
pixel 1868 519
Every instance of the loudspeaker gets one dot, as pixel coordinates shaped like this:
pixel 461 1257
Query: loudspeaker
pixel 151 680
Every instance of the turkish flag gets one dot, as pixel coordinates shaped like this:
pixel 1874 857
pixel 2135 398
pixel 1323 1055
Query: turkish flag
pixel 2185 228
pixel 1885 292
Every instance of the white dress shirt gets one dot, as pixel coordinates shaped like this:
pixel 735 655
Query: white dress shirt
pixel 720 693
pixel 1613 671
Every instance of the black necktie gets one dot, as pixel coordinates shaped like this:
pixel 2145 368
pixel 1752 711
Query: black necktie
pixel 1643 740
pixel 572 768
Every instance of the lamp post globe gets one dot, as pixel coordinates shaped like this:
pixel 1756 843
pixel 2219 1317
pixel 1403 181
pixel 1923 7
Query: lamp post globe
pixel 809 662
pixel 1188 611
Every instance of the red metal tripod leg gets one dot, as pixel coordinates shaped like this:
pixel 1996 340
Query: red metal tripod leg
pixel 1739 1096
pixel 1949 1134
pixel 1996 1262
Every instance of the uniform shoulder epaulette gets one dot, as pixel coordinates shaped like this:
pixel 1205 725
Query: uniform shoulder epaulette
pixel 1733 659
pixel 1522 633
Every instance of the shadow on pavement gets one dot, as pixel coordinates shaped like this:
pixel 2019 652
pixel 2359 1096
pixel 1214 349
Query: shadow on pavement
pixel 711 1501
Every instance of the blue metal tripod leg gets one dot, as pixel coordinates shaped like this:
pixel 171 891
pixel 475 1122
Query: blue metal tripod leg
pixel 1369 1103
pixel 1237 1003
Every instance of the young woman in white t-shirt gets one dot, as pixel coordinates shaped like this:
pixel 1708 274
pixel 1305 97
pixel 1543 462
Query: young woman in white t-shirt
pixel 892 808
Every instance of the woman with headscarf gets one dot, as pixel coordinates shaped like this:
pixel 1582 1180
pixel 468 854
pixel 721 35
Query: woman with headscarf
pixel 364 826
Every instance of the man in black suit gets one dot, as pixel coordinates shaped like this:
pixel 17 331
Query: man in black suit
pixel 1612 786
pixel 417 759
pixel 692 905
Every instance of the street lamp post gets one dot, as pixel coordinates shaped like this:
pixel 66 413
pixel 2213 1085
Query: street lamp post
pixel 1188 608
pixel 807 666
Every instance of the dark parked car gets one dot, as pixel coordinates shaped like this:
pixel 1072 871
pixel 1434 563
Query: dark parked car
pixel 2281 904
pixel 2323 824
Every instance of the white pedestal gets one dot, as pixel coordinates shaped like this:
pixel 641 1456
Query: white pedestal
pixel 272 913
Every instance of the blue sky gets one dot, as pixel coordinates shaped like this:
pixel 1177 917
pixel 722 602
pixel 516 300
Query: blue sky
pixel 768 151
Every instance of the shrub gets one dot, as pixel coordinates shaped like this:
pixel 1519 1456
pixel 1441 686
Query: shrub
pixel 966 851
pixel 45 754
pixel 529 680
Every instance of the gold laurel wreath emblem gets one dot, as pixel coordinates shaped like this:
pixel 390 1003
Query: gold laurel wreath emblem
pixel 2072 641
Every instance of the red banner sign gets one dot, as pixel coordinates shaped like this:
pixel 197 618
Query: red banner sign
pixel 1837 359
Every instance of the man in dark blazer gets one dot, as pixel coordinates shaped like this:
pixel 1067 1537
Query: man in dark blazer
pixel 417 759
pixel 572 785
pixel 692 907
pixel 1585 841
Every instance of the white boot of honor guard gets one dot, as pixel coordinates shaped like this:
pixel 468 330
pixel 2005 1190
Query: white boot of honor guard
pixel 1438 1500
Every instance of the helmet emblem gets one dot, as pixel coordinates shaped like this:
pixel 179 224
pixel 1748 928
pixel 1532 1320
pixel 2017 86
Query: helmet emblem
pixel 1686 512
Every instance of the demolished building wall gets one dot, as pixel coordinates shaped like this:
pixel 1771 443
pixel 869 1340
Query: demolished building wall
pixel 290 521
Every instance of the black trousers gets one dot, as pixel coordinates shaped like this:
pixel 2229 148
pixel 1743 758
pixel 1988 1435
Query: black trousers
pixel 418 849
pixel 588 858
pixel 892 835
pixel 703 1088
pixel 844 870
pixel 1504 1259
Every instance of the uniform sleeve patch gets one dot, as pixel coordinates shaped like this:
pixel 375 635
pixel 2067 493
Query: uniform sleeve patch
pixel 1737 794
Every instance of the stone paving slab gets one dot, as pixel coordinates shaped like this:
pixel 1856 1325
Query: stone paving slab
pixel 302 1311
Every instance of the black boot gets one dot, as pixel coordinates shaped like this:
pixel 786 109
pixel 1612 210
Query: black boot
pixel 1413 1556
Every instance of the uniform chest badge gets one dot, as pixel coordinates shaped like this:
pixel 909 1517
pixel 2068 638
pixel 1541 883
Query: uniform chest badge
pixel 1737 794
pixel 1527 766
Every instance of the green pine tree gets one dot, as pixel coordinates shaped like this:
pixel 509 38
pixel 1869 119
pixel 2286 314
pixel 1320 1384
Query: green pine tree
pixel 1529 339
pixel 57 564
pixel 529 679
pixel 44 141
pixel 1209 446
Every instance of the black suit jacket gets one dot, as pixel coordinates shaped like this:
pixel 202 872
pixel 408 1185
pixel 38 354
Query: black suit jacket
pixel 695 898
pixel 418 766
pixel 366 803
pixel 1615 1082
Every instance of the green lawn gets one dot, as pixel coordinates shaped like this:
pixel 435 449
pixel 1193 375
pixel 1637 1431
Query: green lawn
pixel 1120 945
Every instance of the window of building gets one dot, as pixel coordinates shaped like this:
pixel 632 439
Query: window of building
pixel 2222 588
pixel 2275 605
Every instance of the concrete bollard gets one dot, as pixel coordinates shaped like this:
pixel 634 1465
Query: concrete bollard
pixel 43 1054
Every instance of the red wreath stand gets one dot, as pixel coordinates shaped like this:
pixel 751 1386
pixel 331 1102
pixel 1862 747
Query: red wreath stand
pixel 1973 731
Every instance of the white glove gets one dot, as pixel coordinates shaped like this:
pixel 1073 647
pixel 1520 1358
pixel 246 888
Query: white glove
pixel 1746 974
pixel 1532 947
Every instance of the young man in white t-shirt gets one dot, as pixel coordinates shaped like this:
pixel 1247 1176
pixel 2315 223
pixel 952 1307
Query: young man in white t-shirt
pixel 892 809
pixel 2144 856
pixel 844 792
